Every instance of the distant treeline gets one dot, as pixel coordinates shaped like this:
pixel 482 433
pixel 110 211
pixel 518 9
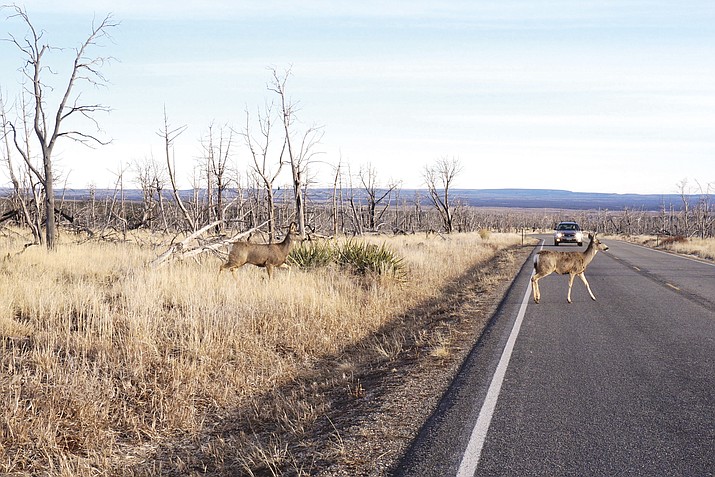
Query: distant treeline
pixel 110 214
pixel 509 198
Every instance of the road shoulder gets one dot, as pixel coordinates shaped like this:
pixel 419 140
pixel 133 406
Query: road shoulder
pixel 413 386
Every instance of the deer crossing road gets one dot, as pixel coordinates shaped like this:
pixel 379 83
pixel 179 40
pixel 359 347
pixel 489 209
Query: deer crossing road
pixel 624 385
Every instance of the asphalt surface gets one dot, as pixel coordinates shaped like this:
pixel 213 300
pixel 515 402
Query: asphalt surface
pixel 624 385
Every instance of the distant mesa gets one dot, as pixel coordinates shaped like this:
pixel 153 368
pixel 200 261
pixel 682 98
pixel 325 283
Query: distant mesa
pixel 510 198
pixel 564 199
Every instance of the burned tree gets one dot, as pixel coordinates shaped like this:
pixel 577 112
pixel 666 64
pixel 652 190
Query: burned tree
pixel 150 179
pixel 439 178
pixel 259 144
pixel 300 147
pixel 25 191
pixel 375 196
pixel 169 135
pixel 47 121
pixel 217 152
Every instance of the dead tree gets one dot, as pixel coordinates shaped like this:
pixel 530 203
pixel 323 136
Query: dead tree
pixel 147 177
pixel 217 146
pixel 219 171
pixel 439 179
pixel 355 215
pixel 336 197
pixel 28 206
pixel 300 148
pixel 48 121
pixel 259 145
pixel 703 212
pixel 684 192
pixel 169 135
pixel 375 195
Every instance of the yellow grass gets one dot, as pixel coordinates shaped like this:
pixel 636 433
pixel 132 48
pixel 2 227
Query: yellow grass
pixel 703 248
pixel 102 358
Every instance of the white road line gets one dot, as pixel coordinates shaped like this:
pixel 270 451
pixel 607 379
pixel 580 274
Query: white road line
pixel 473 452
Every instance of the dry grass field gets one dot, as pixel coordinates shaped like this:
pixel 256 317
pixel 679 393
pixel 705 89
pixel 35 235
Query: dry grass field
pixel 108 366
pixel 702 248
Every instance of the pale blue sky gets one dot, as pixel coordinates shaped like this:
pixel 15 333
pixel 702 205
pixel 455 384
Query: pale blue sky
pixel 593 96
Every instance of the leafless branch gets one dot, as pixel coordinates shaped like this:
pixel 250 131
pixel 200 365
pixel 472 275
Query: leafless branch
pixel 181 250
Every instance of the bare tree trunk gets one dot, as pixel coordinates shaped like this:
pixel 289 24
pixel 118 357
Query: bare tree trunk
pixel 684 192
pixel 17 190
pixel 334 212
pixel 439 179
pixel 703 211
pixel 299 155
pixel 259 148
pixel 210 208
pixel 355 216
pixel 85 69
pixel 169 135
pixel 162 208
pixel 368 177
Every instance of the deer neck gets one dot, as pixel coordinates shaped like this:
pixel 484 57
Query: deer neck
pixel 590 252
pixel 287 241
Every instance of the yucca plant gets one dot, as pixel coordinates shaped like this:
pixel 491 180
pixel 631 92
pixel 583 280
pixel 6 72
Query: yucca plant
pixel 364 258
pixel 312 254
pixel 360 257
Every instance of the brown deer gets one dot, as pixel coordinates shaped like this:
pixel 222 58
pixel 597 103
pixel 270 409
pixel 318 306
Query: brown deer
pixel 573 263
pixel 266 255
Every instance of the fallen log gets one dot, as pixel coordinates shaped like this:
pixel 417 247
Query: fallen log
pixel 183 250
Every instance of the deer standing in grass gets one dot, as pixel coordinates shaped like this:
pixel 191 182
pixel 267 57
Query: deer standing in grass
pixel 573 263
pixel 266 255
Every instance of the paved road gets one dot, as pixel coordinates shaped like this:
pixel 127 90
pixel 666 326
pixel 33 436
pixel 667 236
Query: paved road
pixel 624 385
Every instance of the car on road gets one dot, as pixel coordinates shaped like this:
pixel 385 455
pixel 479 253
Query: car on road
pixel 568 232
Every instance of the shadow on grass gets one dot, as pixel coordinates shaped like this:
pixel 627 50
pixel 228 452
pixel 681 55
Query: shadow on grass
pixel 300 428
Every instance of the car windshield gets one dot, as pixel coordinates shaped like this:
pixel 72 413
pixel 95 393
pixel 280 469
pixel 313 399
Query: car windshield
pixel 567 227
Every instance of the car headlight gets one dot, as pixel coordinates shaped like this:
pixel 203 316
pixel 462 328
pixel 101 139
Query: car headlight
pixel 579 236
pixel 558 234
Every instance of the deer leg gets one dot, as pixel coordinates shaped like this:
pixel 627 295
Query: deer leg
pixel 223 267
pixel 286 266
pixel 269 269
pixel 585 282
pixel 571 277
pixel 220 272
pixel 535 287
pixel 232 268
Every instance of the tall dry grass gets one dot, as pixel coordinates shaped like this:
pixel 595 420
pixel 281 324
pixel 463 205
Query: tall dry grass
pixel 703 248
pixel 104 360
pixel 699 247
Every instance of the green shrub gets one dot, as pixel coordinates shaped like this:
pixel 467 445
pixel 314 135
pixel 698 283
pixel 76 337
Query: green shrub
pixel 364 258
pixel 312 254
pixel 360 257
